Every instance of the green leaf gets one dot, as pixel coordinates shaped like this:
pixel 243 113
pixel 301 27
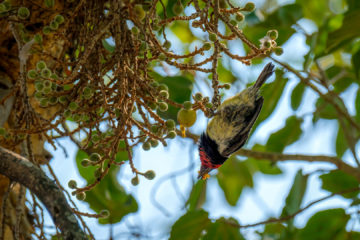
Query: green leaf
pixel 289 134
pixel 197 196
pixel 357 105
pixel 353 4
pixel 110 48
pixel 344 82
pixel 182 31
pixel 224 230
pixel 295 197
pixel 341 142
pixel 180 88
pixel 271 93
pixel 263 165
pixel 336 181
pixel 225 76
pixel 282 19
pixel 297 95
pixel 88 172
pixel 108 194
pixel 233 176
pixel 356 63
pixel 349 30
pixel 327 224
pixel 326 110
pixel 314 10
pixel 273 231
pixel 190 225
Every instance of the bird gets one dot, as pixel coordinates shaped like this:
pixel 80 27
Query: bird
pixel 230 126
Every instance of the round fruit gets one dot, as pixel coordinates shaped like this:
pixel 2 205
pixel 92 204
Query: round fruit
pixel 186 118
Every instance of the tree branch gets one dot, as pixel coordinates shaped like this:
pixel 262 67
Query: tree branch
pixel 277 157
pixel 19 169
pixel 288 217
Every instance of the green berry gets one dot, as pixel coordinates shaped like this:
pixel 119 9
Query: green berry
pixel 104 213
pixel 267 44
pixel 87 92
pixel 167 44
pixel 23 13
pixel 73 106
pixel 63 99
pixel 95 138
pixel 187 105
pixel 171 134
pixel 38 38
pixel 164 93
pixel 186 117
pixel 72 184
pixel 272 34
pixel 40 65
pixel 212 37
pixel 46 90
pixel 38 96
pixel 47 84
pixel 154 129
pixel 135 181
pixel 227 86
pixel 139 12
pixel 163 107
pixel 85 162
pixel 54 76
pixel 53 100
pixel 163 86
pixel 45 73
pixel 46 30
pixel 154 84
pixel 146 146
pixel 278 51
pixel 59 19
pixel 98 172
pixel 207 46
pixel 198 96
pixel 95 157
pixel 32 74
pixel 150 174
pixel 154 143
pixel 249 7
pixel 39 86
pixel 49 3
pixel 162 57
pixel 44 102
pixel 54 25
pixel 170 124
pixel 81 196
pixel 177 8
pixel 239 17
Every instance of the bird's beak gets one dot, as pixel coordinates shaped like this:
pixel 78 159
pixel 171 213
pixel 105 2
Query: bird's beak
pixel 204 173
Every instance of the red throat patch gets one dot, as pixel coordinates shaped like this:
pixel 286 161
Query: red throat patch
pixel 205 160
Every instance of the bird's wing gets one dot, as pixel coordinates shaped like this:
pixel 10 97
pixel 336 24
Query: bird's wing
pixel 239 140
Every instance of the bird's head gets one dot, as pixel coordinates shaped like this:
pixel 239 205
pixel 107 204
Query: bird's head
pixel 209 156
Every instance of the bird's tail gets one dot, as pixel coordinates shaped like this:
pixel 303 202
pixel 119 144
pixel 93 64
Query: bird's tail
pixel 264 75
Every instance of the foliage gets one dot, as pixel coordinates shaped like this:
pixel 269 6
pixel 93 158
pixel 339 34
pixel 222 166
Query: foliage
pixel 116 79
